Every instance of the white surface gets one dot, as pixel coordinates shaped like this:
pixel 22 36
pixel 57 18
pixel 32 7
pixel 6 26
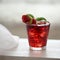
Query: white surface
pixel 52 50
pixel 7 40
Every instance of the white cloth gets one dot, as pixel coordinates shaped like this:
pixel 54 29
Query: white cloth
pixel 7 40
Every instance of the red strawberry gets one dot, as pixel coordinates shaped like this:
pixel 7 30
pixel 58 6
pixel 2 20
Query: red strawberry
pixel 25 18
pixel 33 21
pixel 28 19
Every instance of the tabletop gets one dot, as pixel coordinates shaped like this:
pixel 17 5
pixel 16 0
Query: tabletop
pixel 23 52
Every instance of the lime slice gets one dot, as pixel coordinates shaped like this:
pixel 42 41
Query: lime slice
pixel 40 19
pixel 30 15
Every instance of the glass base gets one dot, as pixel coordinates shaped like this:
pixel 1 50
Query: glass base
pixel 41 48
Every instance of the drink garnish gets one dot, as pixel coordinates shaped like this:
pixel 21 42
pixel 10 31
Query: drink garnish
pixel 30 19
pixel 41 19
pixel 30 15
pixel 25 18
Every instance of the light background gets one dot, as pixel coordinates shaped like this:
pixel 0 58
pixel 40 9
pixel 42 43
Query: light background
pixel 12 10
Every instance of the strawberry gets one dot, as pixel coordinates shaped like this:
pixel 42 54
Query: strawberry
pixel 29 19
pixel 25 18
pixel 33 21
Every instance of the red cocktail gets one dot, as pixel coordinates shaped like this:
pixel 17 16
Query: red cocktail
pixel 37 35
pixel 37 31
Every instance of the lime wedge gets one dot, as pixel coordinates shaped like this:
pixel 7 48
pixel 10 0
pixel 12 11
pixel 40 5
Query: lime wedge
pixel 30 15
pixel 40 19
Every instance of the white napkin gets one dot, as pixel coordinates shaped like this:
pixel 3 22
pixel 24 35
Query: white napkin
pixel 7 40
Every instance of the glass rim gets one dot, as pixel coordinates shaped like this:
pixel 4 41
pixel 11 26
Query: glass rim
pixel 48 23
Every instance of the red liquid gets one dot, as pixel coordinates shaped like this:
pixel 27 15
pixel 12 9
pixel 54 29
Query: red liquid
pixel 37 35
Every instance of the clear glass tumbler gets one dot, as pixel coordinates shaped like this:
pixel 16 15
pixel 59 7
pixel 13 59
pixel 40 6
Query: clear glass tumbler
pixel 37 35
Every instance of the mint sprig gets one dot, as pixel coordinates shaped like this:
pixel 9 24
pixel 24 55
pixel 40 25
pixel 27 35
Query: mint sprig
pixel 40 19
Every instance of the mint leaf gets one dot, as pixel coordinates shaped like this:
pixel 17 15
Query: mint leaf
pixel 40 19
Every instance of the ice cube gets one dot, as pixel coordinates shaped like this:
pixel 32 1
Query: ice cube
pixel 43 34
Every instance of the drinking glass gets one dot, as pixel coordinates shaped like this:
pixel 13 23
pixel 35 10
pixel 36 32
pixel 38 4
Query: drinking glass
pixel 37 35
